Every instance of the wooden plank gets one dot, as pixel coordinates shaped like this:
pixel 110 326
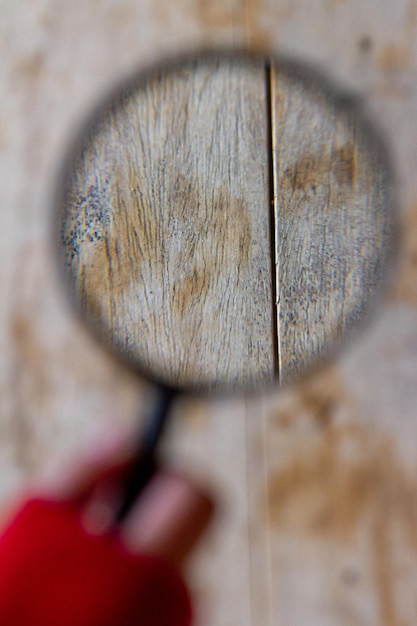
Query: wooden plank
pixel 211 441
pixel 334 237
pixel 55 59
pixel 166 224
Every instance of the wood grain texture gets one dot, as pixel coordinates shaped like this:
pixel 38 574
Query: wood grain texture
pixel 340 534
pixel 166 230
pixel 166 224
pixel 335 233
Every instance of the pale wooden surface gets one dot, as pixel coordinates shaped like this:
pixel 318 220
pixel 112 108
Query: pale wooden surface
pixel 166 225
pixel 317 526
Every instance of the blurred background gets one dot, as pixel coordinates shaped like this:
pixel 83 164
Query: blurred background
pixel 317 484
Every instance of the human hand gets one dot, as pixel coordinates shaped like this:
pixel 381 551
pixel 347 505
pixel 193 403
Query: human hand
pixel 62 562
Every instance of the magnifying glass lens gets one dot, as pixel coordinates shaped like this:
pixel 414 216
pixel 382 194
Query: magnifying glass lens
pixel 225 220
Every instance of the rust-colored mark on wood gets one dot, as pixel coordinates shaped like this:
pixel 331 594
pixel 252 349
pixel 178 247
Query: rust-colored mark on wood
pixel 30 66
pixel 214 14
pixel 224 239
pixel 334 219
pixel 393 58
pixel 330 482
pixel 258 32
pixel 165 223
pixel 314 170
pixel 405 288
pixel 399 56
pixel 319 398
pixel 410 26
pixel 120 15
pixel 30 382
pixel 229 226
pixel 344 165
pixel 342 481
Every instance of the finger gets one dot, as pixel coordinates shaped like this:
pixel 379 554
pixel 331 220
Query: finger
pixel 169 518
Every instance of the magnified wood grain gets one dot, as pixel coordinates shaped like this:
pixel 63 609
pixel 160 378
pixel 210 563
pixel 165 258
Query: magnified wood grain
pixel 179 192
pixel 166 225
pixel 334 228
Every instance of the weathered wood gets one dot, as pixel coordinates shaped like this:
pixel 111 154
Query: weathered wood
pixel 166 232
pixel 341 527
pixel 335 230
pixel 166 224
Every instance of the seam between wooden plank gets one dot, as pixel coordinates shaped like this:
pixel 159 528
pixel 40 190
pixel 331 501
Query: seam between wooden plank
pixel 273 213
pixel 250 537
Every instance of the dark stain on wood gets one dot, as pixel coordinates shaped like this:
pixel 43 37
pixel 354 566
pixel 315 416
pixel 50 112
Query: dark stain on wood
pixel 31 66
pixel 393 58
pixel 335 236
pixel 319 397
pixel 220 228
pixel 321 490
pixel 213 238
pixel 344 480
pixel 163 234
pixel 30 381
pixel 350 576
pixel 258 33
pixel 397 57
pixel 365 44
pixel 214 14
pixel 322 405
pixel 314 170
pixel 405 287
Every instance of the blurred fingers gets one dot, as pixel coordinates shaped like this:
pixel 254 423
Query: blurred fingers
pixel 169 518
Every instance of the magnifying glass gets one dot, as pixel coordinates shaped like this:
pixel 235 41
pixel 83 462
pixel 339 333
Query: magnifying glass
pixel 225 220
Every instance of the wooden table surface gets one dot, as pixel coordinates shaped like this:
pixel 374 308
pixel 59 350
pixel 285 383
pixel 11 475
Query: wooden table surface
pixel 317 482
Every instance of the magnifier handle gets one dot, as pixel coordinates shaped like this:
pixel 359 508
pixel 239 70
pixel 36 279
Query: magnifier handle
pixel 144 465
